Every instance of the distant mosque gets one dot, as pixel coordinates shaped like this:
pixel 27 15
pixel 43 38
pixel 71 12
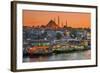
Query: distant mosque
pixel 59 23
pixel 53 25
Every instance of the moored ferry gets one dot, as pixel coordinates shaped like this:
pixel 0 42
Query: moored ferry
pixel 39 47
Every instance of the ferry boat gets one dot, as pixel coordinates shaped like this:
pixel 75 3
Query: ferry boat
pixel 39 47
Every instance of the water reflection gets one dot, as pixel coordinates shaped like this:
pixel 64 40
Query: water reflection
pixel 80 55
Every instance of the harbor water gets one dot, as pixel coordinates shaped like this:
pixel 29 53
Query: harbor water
pixel 79 55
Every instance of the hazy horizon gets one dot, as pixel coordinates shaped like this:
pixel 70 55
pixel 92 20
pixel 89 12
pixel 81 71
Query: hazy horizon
pixel 72 19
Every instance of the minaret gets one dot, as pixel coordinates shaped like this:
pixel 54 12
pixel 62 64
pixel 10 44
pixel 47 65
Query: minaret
pixel 66 23
pixel 54 20
pixel 58 21
pixel 62 25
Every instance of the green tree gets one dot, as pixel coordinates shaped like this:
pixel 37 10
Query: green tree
pixel 73 33
pixel 58 35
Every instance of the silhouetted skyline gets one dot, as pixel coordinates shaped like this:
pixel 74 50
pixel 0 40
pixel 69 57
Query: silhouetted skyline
pixel 70 19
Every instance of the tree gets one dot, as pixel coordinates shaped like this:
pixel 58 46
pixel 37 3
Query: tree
pixel 73 34
pixel 58 35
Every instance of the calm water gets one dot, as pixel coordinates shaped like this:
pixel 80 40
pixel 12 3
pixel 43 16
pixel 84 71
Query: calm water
pixel 58 57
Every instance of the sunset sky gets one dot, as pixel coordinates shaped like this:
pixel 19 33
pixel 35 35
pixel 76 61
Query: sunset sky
pixel 75 20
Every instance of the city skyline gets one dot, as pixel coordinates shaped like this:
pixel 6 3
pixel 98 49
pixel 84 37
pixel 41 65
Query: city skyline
pixel 71 19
